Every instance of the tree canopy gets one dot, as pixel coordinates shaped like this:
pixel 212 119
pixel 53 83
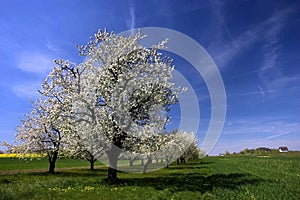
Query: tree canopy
pixel 116 100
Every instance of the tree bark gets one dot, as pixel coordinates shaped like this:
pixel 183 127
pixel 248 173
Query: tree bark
pixel 91 158
pixel 149 160
pixel 131 161
pixel 52 161
pixel 113 155
pixel 168 162
pixel 92 164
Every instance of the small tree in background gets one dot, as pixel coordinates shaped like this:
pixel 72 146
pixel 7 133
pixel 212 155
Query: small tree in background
pixel 48 129
pixel 176 144
pixel 227 153
pixel 42 132
pixel 193 152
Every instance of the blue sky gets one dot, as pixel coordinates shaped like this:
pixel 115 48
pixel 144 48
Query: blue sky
pixel 255 45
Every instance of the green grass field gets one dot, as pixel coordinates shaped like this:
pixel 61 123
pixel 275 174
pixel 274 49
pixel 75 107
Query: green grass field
pixel 228 177
pixel 9 164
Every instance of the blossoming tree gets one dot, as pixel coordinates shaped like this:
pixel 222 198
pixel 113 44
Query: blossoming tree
pixel 175 145
pixel 125 89
pixel 42 132
pixel 59 88
pixel 116 100
pixel 49 129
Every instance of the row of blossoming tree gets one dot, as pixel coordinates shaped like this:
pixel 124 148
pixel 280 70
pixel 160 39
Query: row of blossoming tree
pixel 115 102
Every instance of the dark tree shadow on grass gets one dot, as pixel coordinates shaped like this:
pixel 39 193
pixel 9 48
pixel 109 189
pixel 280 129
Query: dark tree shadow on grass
pixel 188 167
pixel 190 177
pixel 193 163
pixel 193 181
pixel 71 173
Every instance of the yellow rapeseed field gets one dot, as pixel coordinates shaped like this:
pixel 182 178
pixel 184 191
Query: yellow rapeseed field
pixel 14 155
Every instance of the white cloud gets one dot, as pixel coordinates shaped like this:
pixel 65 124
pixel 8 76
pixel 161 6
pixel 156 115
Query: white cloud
pixel 131 21
pixel 35 62
pixel 272 80
pixel 271 77
pixel 261 132
pixel 277 135
pixel 260 127
pixel 241 144
pixel 27 89
pixel 261 91
pixel 224 49
pixel 217 7
pixel 50 46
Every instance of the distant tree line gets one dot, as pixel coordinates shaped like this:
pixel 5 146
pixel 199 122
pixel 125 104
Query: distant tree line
pixel 259 150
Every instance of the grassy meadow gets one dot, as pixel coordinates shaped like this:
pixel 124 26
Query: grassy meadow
pixel 227 177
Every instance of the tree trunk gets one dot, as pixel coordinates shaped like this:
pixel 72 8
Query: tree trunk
pixel 113 155
pixel 52 160
pixel 91 158
pixel 112 173
pixel 92 164
pixel 149 160
pixel 168 162
pixel 131 161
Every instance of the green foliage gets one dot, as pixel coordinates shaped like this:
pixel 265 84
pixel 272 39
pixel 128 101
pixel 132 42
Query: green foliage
pixel 260 150
pixel 229 177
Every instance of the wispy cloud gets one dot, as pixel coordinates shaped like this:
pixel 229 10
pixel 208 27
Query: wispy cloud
pixel 262 128
pixel 261 91
pixel 35 62
pixel 37 65
pixel 27 89
pixel 277 135
pixel 270 73
pixel 224 49
pixel 241 144
pixel 254 133
pixel 257 92
pixel 226 46
pixel 217 8
pixel 51 47
pixel 131 21
pixel 268 34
